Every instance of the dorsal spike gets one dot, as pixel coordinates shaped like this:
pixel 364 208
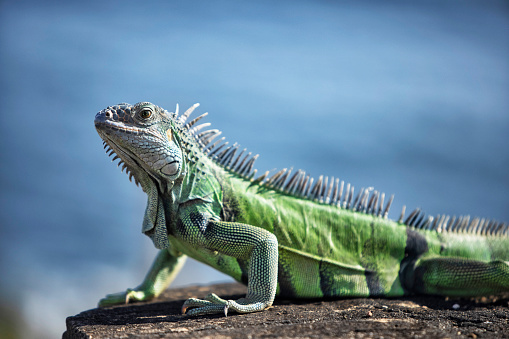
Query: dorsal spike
pixel 402 215
pixel 357 201
pixel 206 139
pixel 243 170
pixel 275 176
pixel 412 216
pixel 321 193
pixel 203 136
pixel 334 192
pixel 242 162
pixel 225 156
pixel 308 186
pixel 419 221
pixel 195 120
pixel 347 194
pixel 252 174
pixel 461 219
pixel 454 226
pixel 292 182
pixel 175 115
pixel 316 189
pixel 187 113
pixel 364 200
pixel 447 227
pixel 475 222
pixel 440 223
pixel 353 206
pixel 281 181
pixel 374 208
pixel 221 157
pixel 340 193
pixel 427 223
pixel 350 197
pixel 372 202
pixel 249 166
pixel 492 226
pixel 230 156
pixel 299 182
pixel 483 223
pixel 496 228
pixel 211 154
pixel 466 222
pixel 381 205
pixel 500 228
pixel 302 184
pixel 261 178
pixel 388 206
pixel 237 158
pixel 328 191
pixel 434 223
pixel 211 147
pixel 199 127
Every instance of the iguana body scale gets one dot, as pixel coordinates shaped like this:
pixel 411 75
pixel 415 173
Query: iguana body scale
pixel 285 234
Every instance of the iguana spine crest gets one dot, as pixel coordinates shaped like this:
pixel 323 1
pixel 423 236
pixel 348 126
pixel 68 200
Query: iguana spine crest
pixel 325 191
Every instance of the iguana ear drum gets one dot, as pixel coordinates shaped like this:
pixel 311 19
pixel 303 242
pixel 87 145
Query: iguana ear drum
pixel 169 134
pixel 171 168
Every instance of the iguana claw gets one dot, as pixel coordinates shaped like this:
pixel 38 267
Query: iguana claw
pixel 214 304
pixel 125 297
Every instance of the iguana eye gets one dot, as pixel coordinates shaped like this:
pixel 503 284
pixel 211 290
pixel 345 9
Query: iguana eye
pixel 146 113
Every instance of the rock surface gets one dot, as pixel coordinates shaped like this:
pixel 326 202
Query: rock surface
pixel 416 317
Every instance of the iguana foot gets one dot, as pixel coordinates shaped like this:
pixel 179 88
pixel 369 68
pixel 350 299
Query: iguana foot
pixel 125 297
pixel 214 305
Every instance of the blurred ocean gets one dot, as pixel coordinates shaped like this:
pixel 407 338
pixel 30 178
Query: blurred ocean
pixel 411 98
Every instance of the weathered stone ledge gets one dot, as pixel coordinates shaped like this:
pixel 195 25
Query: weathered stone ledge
pixel 416 317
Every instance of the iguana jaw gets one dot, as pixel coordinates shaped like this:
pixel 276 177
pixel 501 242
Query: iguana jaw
pixel 127 160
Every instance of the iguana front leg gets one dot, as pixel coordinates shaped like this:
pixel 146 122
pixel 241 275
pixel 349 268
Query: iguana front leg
pixel 164 269
pixel 241 241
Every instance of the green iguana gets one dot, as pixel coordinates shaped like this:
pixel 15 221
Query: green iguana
pixel 284 234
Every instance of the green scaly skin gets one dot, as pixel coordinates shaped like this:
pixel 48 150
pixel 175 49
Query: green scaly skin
pixel 282 235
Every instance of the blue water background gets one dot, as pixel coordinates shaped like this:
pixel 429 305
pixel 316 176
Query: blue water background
pixel 410 97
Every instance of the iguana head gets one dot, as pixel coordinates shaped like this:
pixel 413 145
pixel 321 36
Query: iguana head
pixel 143 136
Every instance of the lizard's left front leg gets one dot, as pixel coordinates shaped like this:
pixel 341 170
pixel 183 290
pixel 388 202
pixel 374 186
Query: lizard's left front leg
pixel 246 242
